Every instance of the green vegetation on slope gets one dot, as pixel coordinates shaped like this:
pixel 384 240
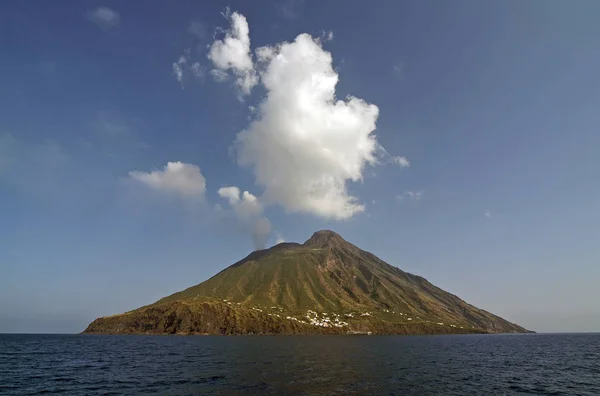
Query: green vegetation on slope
pixel 326 274
pixel 205 316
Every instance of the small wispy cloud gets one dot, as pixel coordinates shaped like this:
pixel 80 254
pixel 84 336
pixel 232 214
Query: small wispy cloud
pixel 403 162
pixel 197 70
pixel 198 30
pixel 219 75
pixel 326 35
pixel 385 157
pixel 178 70
pixel 410 195
pixel 105 18
pixel 289 9
pixel 185 69
pixel 111 131
pixel 487 214
pixel 398 67
pixel 112 125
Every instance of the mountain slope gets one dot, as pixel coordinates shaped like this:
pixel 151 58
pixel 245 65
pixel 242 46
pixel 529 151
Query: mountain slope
pixel 324 278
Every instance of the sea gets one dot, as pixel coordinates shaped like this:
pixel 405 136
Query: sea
pixel 537 364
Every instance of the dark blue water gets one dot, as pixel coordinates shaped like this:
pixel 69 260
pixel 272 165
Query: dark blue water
pixel 328 365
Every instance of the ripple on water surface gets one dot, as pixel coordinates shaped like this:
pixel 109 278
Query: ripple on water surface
pixel 562 364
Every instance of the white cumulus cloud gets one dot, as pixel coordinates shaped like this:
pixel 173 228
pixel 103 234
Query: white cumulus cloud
pixel 306 144
pixel 303 144
pixel 232 194
pixel 248 210
pixel 179 178
pixel 104 17
pixel 232 53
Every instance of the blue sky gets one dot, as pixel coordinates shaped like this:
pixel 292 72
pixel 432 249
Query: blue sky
pixel 481 173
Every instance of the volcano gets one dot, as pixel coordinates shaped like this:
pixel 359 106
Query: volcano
pixel 324 286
